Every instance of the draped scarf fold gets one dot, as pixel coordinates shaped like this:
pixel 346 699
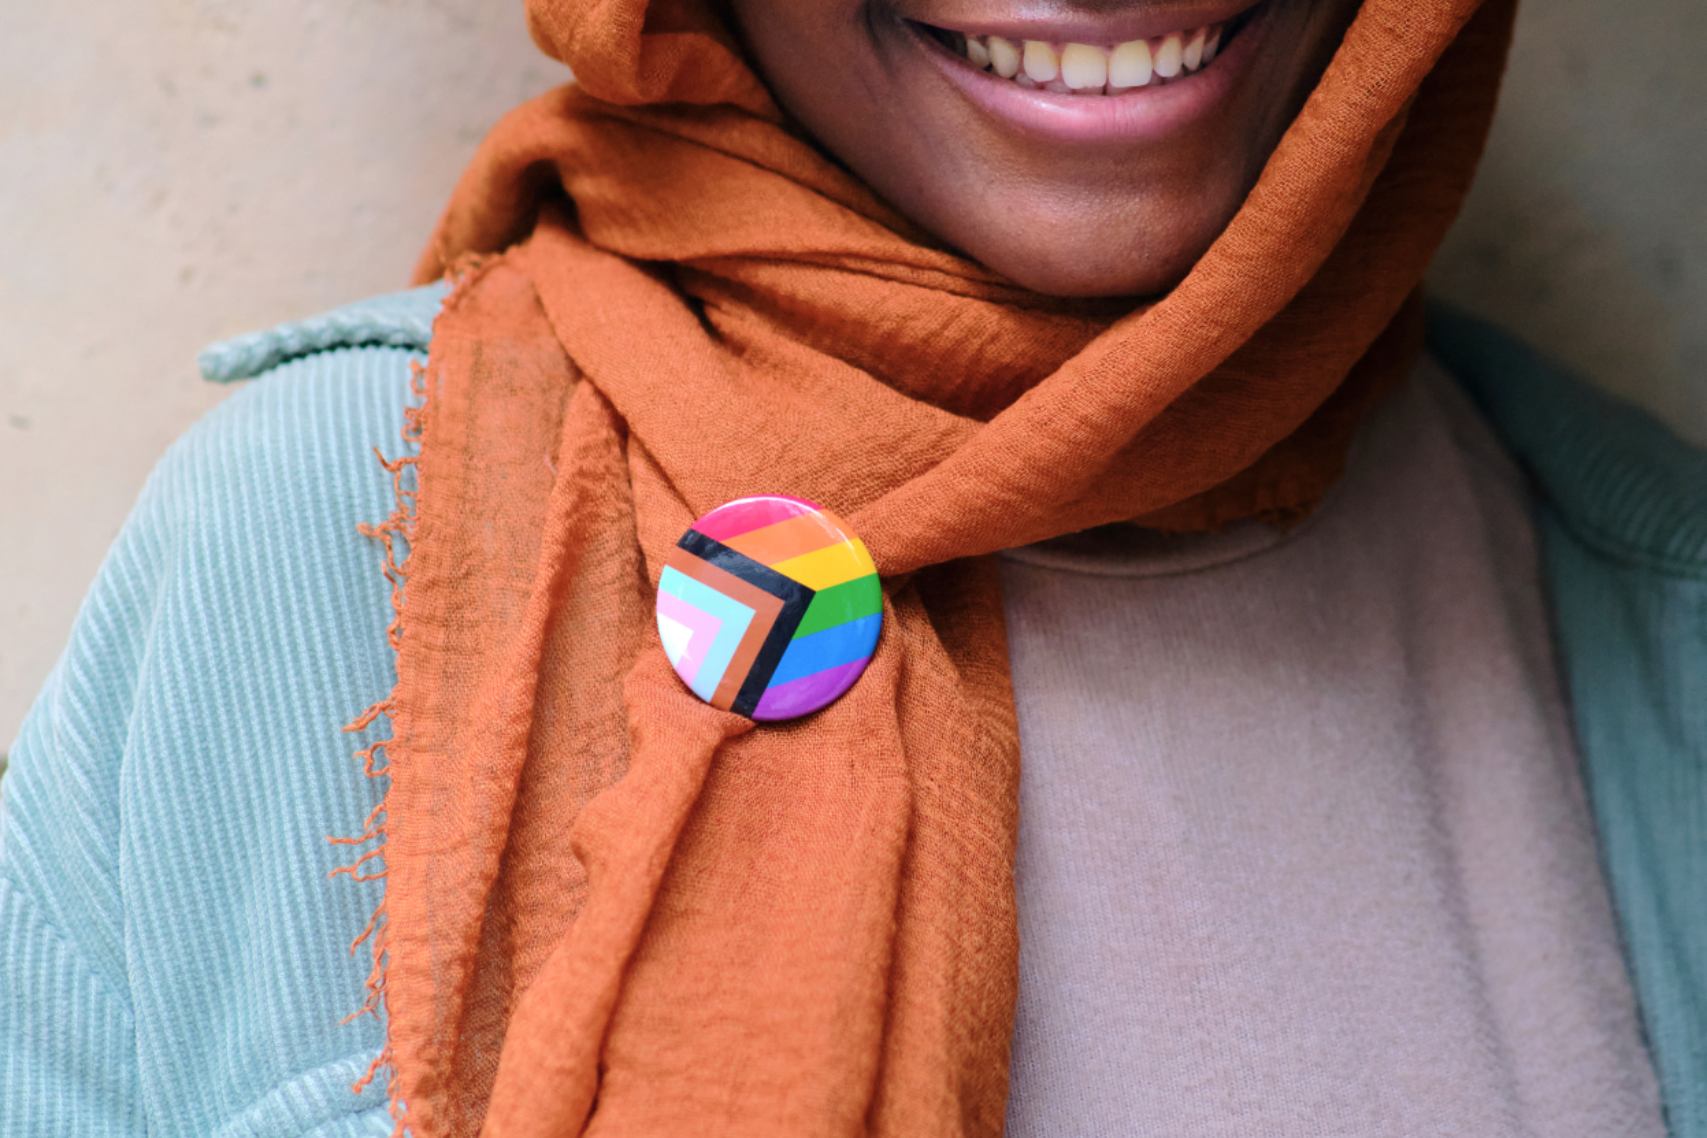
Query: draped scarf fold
pixel 611 909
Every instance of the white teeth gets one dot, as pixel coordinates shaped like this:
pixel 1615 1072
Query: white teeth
pixel 1171 56
pixel 1130 65
pixel 1084 67
pixel 1040 62
pixel 1192 57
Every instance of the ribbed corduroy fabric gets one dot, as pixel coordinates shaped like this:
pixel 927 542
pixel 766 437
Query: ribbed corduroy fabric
pixel 172 961
pixel 172 957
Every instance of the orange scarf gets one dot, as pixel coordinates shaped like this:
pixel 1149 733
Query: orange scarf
pixel 613 909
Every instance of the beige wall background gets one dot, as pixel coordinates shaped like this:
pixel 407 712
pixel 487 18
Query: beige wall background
pixel 174 171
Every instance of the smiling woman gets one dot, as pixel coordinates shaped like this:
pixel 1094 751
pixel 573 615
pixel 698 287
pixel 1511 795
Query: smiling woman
pixel 925 582
pixel 973 120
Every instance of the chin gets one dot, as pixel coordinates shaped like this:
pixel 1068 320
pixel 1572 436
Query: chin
pixel 1079 259
pixel 1073 279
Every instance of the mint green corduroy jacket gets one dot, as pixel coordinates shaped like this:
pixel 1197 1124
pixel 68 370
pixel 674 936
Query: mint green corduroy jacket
pixel 171 953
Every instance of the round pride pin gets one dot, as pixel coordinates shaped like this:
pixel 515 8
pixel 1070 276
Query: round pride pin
pixel 769 607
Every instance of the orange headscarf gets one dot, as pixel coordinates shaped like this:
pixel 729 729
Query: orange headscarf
pixel 612 909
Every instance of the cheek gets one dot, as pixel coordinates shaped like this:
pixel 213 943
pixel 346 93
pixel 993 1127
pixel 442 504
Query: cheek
pixel 808 50
pixel 1309 33
pixel 829 63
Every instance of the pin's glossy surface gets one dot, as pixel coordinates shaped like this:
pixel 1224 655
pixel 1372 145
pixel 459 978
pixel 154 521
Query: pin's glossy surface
pixel 769 607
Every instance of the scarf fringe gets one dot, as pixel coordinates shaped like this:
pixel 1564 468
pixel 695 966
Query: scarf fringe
pixel 395 535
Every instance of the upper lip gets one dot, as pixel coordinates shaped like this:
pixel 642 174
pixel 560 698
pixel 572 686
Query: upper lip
pixel 1050 25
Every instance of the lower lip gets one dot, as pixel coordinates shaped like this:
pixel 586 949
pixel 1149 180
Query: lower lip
pixel 1144 114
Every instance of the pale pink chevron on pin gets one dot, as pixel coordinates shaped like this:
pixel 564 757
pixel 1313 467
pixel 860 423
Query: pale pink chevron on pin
pixel 702 629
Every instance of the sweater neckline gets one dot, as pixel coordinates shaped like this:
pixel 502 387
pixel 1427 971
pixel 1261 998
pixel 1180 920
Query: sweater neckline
pixel 1131 551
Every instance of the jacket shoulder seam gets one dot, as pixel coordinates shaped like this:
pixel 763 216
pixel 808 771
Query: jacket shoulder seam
pixel 1617 479
pixel 397 320
pixel 34 910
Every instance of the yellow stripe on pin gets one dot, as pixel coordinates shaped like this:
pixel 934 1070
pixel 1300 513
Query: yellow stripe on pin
pixel 829 566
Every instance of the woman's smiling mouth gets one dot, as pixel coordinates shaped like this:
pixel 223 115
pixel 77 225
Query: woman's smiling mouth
pixel 1145 82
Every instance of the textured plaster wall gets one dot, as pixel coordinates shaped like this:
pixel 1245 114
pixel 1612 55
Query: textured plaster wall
pixel 173 171
pixel 1587 228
